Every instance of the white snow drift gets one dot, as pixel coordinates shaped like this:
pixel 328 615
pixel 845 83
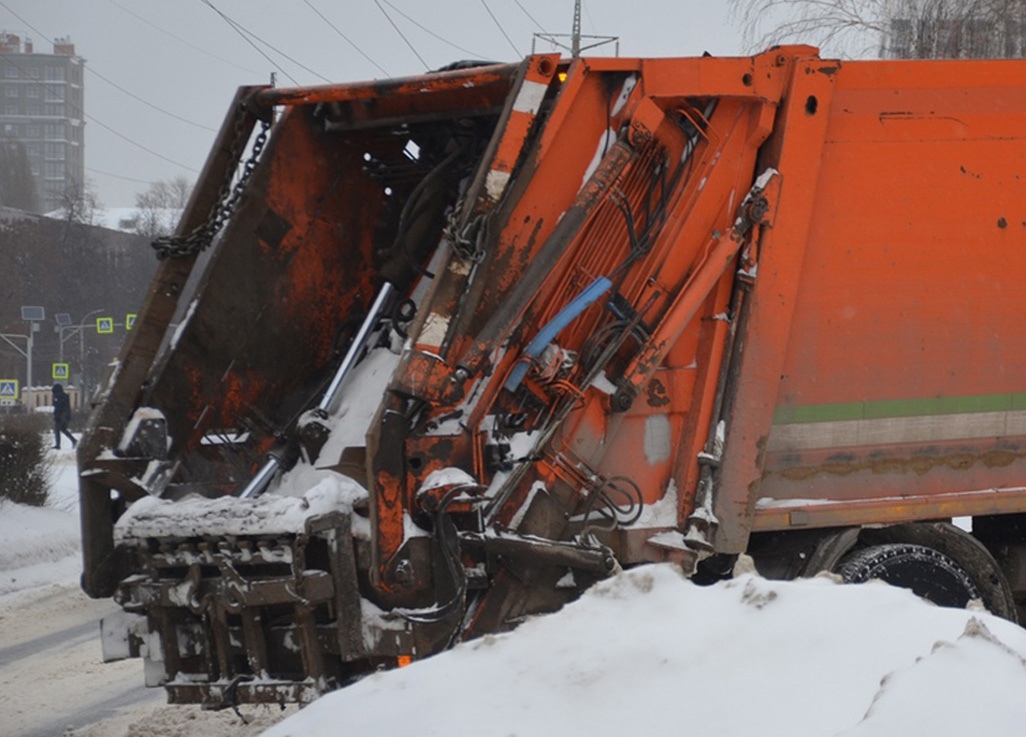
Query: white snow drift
pixel 651 653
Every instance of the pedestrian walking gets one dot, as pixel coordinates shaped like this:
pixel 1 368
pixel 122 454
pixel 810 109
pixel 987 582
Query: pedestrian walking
pixel 61 416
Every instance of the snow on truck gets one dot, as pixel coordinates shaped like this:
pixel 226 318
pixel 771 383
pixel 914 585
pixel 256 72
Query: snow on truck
pixel 431 355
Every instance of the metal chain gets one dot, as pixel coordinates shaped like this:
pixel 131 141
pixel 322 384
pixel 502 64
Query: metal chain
pixel 465 241
pixel 200 237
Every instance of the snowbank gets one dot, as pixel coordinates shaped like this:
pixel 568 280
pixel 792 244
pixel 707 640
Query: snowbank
pixel 648 652
pixel 33 536
pixel 41 544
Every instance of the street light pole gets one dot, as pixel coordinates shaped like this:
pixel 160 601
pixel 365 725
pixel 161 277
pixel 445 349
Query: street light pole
pixel 27 353
pixel 81 347
pixel 28 378
pixel 33 315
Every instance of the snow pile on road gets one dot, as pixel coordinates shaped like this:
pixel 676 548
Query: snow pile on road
pixel 648 652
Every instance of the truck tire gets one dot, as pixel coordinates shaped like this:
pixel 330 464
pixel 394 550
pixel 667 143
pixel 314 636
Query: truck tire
pixel 927 572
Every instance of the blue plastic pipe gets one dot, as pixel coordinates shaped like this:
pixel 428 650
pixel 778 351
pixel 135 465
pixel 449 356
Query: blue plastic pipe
pixel 546 335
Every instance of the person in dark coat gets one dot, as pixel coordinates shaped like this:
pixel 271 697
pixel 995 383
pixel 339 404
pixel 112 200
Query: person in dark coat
pixel 61 416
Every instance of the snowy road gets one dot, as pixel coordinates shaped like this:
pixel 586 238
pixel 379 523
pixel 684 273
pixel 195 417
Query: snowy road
pixel 51 672
pixel 53 680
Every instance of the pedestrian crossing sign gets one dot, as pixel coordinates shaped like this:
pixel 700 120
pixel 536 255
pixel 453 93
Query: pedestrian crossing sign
pixel 60 371
pixel 105 325
pixel 9 389
pixel 130 320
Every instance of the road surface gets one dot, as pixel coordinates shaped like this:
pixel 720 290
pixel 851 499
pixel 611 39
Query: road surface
pixel 54 683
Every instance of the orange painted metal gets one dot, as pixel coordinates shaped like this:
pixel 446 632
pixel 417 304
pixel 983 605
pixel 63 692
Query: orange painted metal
pixel 648 308
pixel 893 352
pixel 795 150
pixel 891 510
pixel 463 83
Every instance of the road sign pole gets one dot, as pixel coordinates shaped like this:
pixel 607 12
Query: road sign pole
pixel 28 372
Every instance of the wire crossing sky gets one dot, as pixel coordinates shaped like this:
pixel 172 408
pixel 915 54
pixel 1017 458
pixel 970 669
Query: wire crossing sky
pixel 160 75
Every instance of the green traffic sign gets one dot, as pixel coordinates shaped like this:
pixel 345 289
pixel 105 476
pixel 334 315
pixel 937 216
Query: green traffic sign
pixel 9 389
pixel 130 320
pixel 105 325
pixel 61 371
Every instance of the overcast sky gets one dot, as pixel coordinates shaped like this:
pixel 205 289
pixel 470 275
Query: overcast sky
pixel 183 57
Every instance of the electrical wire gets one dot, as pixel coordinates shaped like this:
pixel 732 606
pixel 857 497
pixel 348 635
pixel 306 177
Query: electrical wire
pixel 346 38
pixel 587 12
pixel 181 40
pixel 501 29
pixel 519 5
pixel 159 109
pixel 87 116
pixel 432 33
pixel 401 35
pixel 112 83
pixel 235 27
pixel 247 35
pixel 117 176
pixel 138 145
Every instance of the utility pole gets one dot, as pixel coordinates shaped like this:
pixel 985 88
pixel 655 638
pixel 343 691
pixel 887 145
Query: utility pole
pixel 575 48
pixel 33 316
pixel 575 41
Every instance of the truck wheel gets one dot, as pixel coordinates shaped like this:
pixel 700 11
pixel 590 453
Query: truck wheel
pixel 927 572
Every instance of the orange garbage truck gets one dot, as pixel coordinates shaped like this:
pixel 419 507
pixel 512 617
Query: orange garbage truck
pixel 430 355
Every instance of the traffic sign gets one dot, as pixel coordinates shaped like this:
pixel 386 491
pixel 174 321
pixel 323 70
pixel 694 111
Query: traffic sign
pixel 61 371
pixel 9 389
pixel 130 320
pixel 105 325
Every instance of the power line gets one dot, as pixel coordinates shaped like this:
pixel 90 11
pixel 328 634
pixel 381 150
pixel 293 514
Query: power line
pixel 519 5
pixel 117 176
pixel 100 123
pixel 111 82
pixel 430 32
pixel 150 104
pixel 587 11
pixel 392 23
pixel 181 40
pixel 122 136
pixel 501 29
pixel 346 38
pixel 241 29
pixel 246 38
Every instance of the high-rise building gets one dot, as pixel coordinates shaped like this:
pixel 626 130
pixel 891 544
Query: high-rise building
pixel 41 110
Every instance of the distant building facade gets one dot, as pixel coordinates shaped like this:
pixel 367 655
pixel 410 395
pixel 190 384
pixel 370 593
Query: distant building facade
pixel 957 31
pixel 41 107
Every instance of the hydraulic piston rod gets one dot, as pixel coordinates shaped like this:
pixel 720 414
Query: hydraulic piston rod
pixel 274 462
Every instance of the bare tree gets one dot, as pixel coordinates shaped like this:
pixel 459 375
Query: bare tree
pixel 905 29
pixel 160 206
pixel 79 203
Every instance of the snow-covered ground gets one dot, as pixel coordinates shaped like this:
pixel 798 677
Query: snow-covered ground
pixel 41 544
pixel 644 653
pixel 648 653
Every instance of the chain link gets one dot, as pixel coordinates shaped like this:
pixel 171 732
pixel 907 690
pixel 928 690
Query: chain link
pixel 466 241
pixel 200 237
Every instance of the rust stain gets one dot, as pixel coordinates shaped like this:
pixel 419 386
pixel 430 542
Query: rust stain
pixel 919 465
pixel 657 394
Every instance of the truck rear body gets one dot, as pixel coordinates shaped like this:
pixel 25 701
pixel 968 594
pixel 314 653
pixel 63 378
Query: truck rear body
pixel 460 345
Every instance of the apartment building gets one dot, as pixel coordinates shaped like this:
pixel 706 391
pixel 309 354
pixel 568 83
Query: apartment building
pixel 41 108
